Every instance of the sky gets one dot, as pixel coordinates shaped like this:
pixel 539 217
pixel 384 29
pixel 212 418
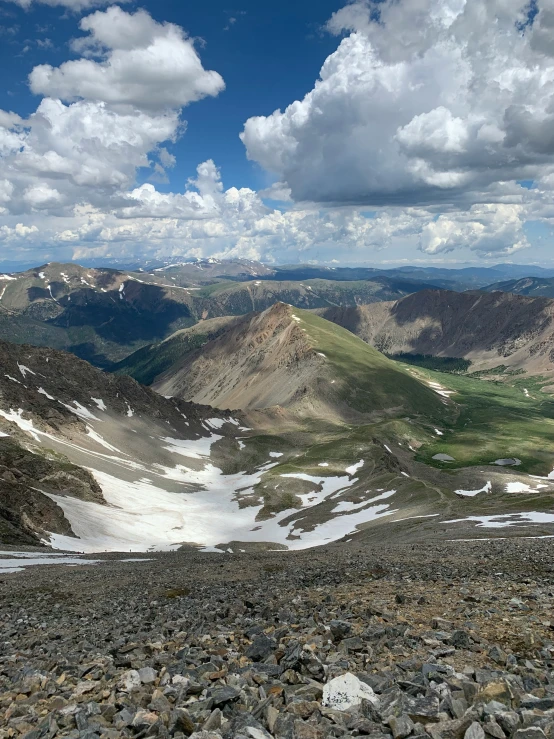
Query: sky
pixel 391 132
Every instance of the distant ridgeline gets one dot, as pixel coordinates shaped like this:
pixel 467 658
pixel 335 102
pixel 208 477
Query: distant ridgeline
pixel 456 365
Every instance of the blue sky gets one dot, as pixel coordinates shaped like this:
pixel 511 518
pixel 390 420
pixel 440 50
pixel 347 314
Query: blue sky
pixel 382 150
pixel 268 56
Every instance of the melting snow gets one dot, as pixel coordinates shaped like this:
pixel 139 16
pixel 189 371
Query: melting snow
pixel 355 467
pixel 81 411
pixel 24 425
pixel 323 464
pixel 24 370
pixel 99 440
pixel 471 493
pixel 507 519
pixel 275 454
pixel 194 448
pixel 13 379
pixel 42 391
pixel 216 423
pixel 17 561
pixel 100 403
pixel 7 277
pixel 346 505
pixel 439 433
pixel 521 487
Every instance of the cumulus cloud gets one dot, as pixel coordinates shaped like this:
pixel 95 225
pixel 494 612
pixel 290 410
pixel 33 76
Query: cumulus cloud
pixel 423 103
pixel 84 151
pixel 102 120
pixel 142 63
pixel 487 229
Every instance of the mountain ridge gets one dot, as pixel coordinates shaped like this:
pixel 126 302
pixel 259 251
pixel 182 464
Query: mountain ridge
pixel 489 329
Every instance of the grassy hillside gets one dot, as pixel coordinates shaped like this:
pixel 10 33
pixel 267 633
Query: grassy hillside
pixel 496 420
pixel 368 381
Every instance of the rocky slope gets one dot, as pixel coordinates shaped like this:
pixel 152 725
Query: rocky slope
pixel 489 329
pixel 450 641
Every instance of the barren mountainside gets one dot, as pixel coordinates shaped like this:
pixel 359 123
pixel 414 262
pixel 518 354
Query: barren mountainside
pixel 490 329
pixel 288 357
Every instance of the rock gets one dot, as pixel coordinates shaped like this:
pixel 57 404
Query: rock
pixel 532 732
pixel 147 675
pixel 423 709
pixel 460 639
pixel 246 725
pixel 475 731
pixel 304 730
pixel 401 726
pixel 340 629
pixel 347 691
pixel 182 721
pixel 225 694
pixel 261 647
pixel 497 654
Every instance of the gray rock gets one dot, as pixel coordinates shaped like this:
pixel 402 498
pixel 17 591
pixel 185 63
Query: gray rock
pixel 401 726
pixel 475 731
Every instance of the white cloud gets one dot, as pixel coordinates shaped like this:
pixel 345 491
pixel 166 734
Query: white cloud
pixel 75 5
pixel 101 121
pixel 487 229
pixel 144 64
pixel 85 151
pixel 423 103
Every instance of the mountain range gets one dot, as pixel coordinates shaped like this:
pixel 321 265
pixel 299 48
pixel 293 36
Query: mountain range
pixel 274 425
pixel 104 314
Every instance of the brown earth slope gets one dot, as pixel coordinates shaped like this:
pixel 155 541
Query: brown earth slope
pixel 264 360
pixel 490 329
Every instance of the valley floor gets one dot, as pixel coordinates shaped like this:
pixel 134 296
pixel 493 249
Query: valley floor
pixel 435 639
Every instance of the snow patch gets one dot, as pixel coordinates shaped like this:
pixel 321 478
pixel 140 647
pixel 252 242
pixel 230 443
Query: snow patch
pixel 507 519
pixel 42 391
pixel 346 505
pixel 100 403
pixel 25 370
pixel 81 411
pixel 355 467
pixel 99 440
pixel 472 493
